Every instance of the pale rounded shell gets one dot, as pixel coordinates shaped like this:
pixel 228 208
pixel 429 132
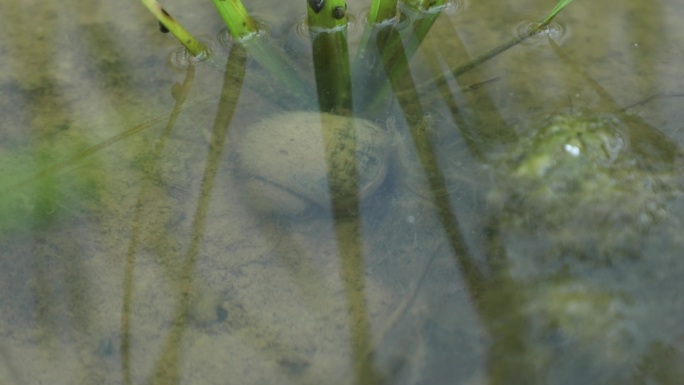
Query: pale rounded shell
pixel 282 160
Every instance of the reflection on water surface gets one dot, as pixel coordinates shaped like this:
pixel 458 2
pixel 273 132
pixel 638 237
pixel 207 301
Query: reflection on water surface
pixel 524 226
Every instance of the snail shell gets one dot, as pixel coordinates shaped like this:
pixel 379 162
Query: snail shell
pixel 282 161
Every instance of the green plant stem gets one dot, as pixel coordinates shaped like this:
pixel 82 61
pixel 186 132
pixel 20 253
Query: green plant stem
pixel 240 24
pixel 194 46
pixel 332 72
pixel 424 5
pixel 382 11
pixel 430 10
pixel 326 15
pixel 328 31
pixel 245 31
pixel 392 46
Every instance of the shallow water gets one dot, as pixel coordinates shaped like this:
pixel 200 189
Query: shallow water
pixel 133 253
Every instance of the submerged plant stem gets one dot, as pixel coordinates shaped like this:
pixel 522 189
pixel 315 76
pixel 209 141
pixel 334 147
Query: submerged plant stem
pixel 167 370
pixel 390 45
pixel 328 28
pixel 332 72
pixel 180 93
pixel 245 31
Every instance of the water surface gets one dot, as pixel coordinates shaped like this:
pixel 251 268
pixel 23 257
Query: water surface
pixel 131 252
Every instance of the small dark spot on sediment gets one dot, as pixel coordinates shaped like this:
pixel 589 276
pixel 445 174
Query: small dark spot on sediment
pixel 294 364
pixel 221 313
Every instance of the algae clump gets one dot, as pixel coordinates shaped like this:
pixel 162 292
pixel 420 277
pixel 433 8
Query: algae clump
pixel 42 181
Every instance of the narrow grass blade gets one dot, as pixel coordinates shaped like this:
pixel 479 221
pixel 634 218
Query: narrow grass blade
pixel 555 11
pixel 460 70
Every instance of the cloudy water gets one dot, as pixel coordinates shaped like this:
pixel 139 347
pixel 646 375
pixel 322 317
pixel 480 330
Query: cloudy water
pixel 170 221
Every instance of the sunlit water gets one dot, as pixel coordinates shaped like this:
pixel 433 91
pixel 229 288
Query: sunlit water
pixel 141 244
